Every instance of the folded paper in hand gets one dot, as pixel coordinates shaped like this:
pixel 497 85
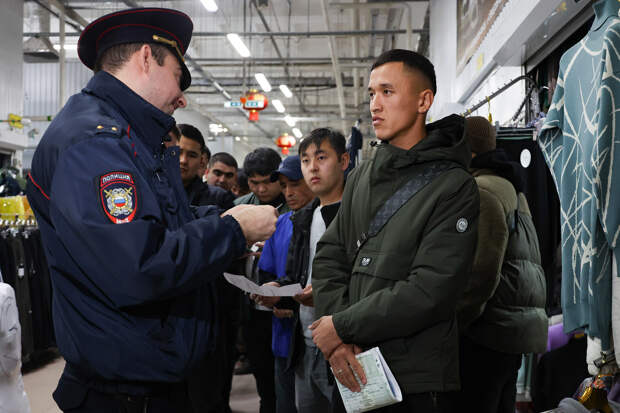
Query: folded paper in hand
pixel 381 388
pixel 249 286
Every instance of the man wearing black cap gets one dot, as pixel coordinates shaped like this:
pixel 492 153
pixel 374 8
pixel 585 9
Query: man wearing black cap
pixel 130 262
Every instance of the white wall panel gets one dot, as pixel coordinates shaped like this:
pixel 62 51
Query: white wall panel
pixel 11 92
pixel 40 86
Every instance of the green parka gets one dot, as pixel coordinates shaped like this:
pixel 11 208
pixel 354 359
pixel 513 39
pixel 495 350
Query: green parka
pixel 503 306
pixel 400 291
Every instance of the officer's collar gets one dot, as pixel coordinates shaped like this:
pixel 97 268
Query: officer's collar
pixel 150 123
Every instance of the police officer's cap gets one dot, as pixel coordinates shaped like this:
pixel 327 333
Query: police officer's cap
pixel 167 27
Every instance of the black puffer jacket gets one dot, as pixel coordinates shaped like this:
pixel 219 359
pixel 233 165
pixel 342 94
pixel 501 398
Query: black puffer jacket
pixel 503 307
pixel 297 266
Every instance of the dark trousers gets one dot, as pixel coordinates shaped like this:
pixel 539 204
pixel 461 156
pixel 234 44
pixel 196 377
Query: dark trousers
pixel 210 382
pixel 488 378
pixel 76 397
pixel 258 343
pixel 285 387
pixel 431 402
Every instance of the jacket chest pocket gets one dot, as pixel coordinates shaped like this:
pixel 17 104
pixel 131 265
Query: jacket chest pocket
pixel 373 271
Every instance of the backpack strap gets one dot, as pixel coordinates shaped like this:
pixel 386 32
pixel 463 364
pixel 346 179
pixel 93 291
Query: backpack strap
pixel 431 171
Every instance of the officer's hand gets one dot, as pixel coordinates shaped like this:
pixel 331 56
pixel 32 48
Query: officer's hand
pixel 257 222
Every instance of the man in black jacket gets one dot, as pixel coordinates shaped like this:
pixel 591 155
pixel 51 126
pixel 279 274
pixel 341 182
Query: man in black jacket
pixel 210 383
pixel 192 160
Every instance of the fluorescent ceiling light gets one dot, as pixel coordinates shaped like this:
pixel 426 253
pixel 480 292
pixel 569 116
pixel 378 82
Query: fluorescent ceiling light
pixel 297 133
pixel 210 5
pixel 238 139
pixel 278 105
pixel 286 91
pixel 238 44
pixel 263 82
pixel 67 47
pixel 289 121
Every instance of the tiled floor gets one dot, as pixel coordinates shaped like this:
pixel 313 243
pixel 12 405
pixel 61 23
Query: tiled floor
pixel 41 383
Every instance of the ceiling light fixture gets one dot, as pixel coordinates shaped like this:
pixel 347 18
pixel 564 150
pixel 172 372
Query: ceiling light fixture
pixel 289 120
pixel 297 133
pixel 238 44
pixel 210 5
pixel 263 82
pixel 286 91
pixel 278 105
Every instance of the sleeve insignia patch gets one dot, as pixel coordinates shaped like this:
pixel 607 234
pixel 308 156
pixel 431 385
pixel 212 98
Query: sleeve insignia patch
pixel 119 200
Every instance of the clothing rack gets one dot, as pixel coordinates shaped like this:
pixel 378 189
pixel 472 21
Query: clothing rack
pixel 512 134
pixel 528 79
pixel 23 266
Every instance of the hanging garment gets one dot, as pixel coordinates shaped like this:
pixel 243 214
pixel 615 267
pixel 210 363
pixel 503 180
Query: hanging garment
pixel 40 291
pixel 578 141
pixel 542 198
pixel 22 294
pixel 13 398
pixel 558 374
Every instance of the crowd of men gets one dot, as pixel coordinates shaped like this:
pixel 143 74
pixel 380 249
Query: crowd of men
pixel 425 250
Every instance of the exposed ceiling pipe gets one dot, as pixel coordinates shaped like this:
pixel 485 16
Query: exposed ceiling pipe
pixel 377 32
pixel 46 6
pixel 385 5
pixel 69 12
pixel 43 16
pixel 336 66
pixel 355 43
pixel 277 49
pixel 210 78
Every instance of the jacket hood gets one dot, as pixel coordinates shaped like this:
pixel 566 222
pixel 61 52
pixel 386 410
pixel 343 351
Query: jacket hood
pixel 445 141
pixel 497 160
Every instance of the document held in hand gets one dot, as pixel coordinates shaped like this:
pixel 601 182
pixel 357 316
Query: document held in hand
pixel 251 287
pixel 380 390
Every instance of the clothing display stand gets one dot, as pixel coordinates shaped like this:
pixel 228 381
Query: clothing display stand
pixel 24 268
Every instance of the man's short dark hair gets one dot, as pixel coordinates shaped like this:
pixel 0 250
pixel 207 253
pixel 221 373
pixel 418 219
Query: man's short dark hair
pixel 261 161
pixel 225 158
pixel 320 135
pixel 412 60
pixel 115 57
pixel 242 181
pixel 192 132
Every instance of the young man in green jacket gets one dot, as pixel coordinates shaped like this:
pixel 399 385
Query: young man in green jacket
pixel 398 289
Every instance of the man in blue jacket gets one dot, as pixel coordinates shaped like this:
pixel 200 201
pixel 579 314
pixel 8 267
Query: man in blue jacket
pixel 272 266
pixel 130 262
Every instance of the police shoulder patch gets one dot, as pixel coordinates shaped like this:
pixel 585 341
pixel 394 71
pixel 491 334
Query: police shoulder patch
pixel 119 199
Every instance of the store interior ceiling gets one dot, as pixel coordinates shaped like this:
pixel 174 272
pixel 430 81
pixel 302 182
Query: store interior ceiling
pixel 320 49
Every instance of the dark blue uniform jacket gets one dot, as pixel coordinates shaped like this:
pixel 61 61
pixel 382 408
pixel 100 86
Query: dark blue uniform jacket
pixel 131 264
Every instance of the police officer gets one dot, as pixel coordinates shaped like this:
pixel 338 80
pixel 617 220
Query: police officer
pixel 130 262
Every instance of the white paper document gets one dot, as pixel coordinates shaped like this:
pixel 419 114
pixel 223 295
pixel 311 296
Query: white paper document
pixel 251 287
pixel 381 388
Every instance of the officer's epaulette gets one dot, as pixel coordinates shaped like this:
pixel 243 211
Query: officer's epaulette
pixel 108 126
